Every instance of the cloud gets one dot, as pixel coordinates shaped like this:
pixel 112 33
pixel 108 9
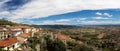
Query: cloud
pixel 3 1
pixel 53 23
pixel 44 8
pixel 102 16
pixel 98 13
pixel 62 21
pixel 98 17
pixel 99 22
pixel 107 14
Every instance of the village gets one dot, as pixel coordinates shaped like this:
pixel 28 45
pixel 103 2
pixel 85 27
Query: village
pixel 13 38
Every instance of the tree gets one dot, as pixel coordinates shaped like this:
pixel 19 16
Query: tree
pixel 81 48
pixel 71 45
pixel 56 45
pixel 2 49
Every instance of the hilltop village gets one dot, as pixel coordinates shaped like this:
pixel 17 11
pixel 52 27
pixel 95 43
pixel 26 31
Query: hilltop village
pixel 12 37
pixel 26 38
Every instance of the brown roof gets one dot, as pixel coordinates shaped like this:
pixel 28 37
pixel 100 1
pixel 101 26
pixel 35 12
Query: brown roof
pixel 14 27
pixel 25 35
pixel 8 42
pixel 2 29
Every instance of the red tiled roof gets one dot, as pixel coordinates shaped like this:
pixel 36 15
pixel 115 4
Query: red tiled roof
pixel 8 42
pixel 2 29
pixel 25 35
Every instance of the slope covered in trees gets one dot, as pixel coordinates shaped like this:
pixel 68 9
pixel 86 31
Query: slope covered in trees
pixel 6 22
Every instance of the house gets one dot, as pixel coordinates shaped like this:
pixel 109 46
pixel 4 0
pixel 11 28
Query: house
pixel 63 38
pixel 26 29
pixel 33 31
pixel 11 37
pixel 9 44
pixel 23 37
pixel 3 33
pixel 15 30
pixel 40 32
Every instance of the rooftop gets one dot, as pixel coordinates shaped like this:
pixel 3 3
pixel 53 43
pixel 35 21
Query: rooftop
pixel 16 27
pixel 25 35
pixel 3 29
pixel 8 42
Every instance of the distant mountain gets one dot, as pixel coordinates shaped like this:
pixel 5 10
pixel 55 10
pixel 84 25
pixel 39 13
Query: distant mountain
pixel 71 26
pixel 56 26
pixel 104 25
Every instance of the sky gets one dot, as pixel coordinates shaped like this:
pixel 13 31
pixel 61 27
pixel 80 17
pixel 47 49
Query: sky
pixel 61 12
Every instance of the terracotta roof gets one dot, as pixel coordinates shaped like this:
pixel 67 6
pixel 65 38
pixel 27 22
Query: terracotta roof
pixel 3 29
pixel 8 42
pixel 25 35
pixel 14 27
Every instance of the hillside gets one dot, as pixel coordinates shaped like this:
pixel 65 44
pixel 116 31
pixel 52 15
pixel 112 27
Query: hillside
pixel 6 22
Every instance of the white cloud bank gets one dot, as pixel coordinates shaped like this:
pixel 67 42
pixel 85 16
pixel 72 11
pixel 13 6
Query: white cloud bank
pixel 44 8
pixel 99 22
pixel 102 16
pixel 62 21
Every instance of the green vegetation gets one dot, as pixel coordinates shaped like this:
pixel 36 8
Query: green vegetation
pixel 82 48
pixel 71 45
pixel 93 38
pixel 6 22
pixel 103 38
pixel 2 49
pixel 54 45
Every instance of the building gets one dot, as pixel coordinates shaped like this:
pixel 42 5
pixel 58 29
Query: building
pixel 3 33
pixel 11 37
pixel 9 44
pixel 63 38
pixel 23 37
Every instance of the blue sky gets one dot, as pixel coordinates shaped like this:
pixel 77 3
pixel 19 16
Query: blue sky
pixel 63 12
